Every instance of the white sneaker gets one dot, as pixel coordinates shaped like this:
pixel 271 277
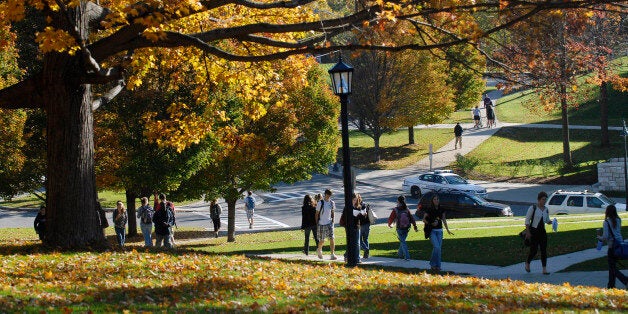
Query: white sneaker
pixel 320 254
pixel 333 257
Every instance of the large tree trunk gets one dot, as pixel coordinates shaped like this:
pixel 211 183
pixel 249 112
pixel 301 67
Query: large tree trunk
pixel 72 220
pixel 604 114
pixel 130 208
pixel 411 135
pixel 378 155
pixel 565 120
pixel 231 208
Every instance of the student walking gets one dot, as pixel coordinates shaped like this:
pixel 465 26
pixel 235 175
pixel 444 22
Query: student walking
pixel 325 218
pixel 163 220
pixel 214 213
pixel 159 203
pixel 612 233
pixel 40 223
pixel 365 226
pixel 476 117
pixel 120 219
pixel 145 215
pixel 249 205
pixel 536 218
pixel 435 219
pixel 490 114
pixel 308 222
pixel 403 219
pixel 458 135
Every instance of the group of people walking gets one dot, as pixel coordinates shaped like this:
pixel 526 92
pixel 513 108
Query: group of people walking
pixel 490 114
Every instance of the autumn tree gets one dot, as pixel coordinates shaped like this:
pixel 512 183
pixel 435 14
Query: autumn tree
pixel 466 66
pixel 296 137
pixel 85 43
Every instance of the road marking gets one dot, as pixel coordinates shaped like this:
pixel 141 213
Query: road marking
pixel 259 222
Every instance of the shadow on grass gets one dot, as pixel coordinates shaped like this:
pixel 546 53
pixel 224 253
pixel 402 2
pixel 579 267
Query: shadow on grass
pixel 364 157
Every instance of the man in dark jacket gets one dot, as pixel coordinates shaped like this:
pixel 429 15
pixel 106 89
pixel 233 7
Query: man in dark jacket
pixel 458 134
pixel 163 220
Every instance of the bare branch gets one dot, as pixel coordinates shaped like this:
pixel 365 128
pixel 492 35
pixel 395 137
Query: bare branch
pixel 109 95
pixel 256 5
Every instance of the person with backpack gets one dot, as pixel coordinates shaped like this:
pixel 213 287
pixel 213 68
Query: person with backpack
pixel 214 213
pixel 403 219
pixel 164 220
pixel 611 233
pixel 120 218
pixel 308 222
pixel 458 135
pixel 536 218
pixel 40 223
pixel 325 222
pixel 435 219
pixel 249 206
pixel 163 203
pixel 145 215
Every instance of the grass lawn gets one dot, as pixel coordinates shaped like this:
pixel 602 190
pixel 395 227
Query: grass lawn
pixel 394 148
pixel 212 275
pixel 536 155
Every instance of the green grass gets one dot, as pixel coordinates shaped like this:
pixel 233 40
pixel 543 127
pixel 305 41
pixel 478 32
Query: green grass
pixel 598 264
pixel 536 154
pixel 395 151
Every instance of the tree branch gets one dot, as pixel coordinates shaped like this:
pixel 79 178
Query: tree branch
pixel 24 94
pixel 109 95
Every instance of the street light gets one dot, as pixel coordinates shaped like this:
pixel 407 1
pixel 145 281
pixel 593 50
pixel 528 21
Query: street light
pixel 341 75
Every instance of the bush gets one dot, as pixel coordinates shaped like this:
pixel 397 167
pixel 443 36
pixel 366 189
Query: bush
pixel 465 165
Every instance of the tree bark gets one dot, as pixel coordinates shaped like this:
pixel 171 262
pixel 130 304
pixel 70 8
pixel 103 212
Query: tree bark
pixel 411 135
pixel 231 208
pixel 378 155
pixel 604 114
pixel 565 119
pixel 130 209
pixel 72 219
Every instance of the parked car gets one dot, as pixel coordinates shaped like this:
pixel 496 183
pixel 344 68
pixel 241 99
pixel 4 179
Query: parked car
pixel 578 202
pixel 458 204
pixel 439 180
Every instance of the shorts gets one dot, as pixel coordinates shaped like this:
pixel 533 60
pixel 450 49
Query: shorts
pixel 325 231
pixel 249 213
pixel 476 117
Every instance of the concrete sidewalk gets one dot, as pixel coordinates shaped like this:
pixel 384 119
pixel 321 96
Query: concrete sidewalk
pixel 513 272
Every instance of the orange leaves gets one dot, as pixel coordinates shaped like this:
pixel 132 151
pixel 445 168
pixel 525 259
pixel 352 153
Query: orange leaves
pixel 52 39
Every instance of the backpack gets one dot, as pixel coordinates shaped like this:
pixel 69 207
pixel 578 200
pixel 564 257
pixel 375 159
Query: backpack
pixel 170 220
pixel 250 203
pixel 147 216
pixel 403 219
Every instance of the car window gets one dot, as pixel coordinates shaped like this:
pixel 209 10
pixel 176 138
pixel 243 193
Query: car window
pixel 557 199
pixel 466 200
pixel 437 179
pixel 575 201
pixel 606 199
pixel 455 180
pixel 593 201
pixel 426 177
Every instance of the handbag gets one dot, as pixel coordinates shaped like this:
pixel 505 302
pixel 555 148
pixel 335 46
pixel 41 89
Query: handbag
pixel 620 249
pixel 522 234
pixel 370 214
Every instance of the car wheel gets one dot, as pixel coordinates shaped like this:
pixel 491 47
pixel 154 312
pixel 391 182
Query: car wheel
pixel 415 191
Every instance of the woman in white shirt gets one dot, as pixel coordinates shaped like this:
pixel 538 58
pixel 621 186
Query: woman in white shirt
pixel 536 218
pixel 612 233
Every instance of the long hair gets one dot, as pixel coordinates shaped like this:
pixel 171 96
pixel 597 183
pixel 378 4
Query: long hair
pixel 432 200
pixel 402 200
pixel 121 206
pixel 307 200
pixel 611 212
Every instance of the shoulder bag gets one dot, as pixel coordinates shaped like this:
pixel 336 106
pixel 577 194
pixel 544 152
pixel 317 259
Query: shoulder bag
pixel 522 234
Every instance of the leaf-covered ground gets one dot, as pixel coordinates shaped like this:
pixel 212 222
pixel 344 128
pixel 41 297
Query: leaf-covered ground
pixel 34 280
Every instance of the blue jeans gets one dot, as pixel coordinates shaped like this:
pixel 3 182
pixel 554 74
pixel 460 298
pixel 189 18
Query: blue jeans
pixel 403 246
pixel 364 236
pixel 120 236
pixel 436 237
pixel 147 229
pixel 165 238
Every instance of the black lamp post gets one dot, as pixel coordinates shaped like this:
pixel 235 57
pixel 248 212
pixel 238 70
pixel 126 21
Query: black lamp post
pixel 341 75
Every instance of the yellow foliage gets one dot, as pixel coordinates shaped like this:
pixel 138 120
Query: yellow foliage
pixel 52 39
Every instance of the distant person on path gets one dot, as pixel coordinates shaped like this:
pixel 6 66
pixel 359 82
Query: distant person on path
pixel 612 233
pixel 435 217
pixel 490 114
pixel 145 215
pixel 536 218
pixel 476 117
pixel 249 205
pixel 159 203
pixel 308 222
pixel 120 219
pixel 403 219
pixel 40 223
pixel 325 218
pixel 163 220
pixel 458 134
pixel 214 213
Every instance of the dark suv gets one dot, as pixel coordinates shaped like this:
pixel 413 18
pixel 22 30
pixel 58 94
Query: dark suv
pixel 460 204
